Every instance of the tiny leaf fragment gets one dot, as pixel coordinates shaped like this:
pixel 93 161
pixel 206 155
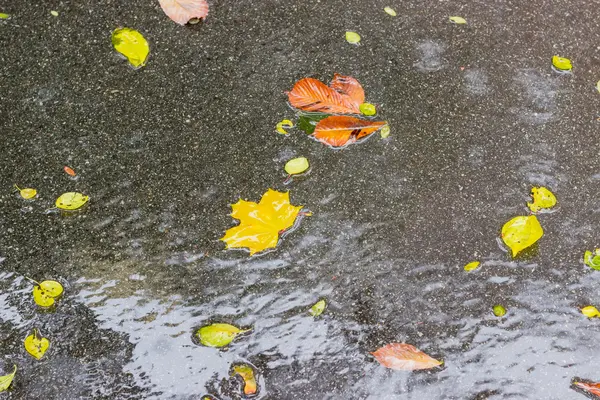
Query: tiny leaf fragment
pixel 352 37
pixel 385 131
pixel 590 311
pixel 281 126
pixel 404 357
pixel 472 266
pixel 390 11
pixel 367 109
pixel 247 374
pixel 457 20
pixel 562 64
pixel 4 16
pixel 296 165
pixel 318 308
pixel 184 11
pixel 54 13
pixel 6 380
pixel 131 44
pixel 592 259
pixel 218 335
pixel 499 310
pixel 592 388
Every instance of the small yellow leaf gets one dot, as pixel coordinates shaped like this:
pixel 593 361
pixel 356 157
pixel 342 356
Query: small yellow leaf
pixel 6 380
pixel 71 201
pixel 352 37
pixel 367 109
pixel 472 266
pixel 54 13
pixel 36 345
pixel 458 20
pixel 132 45
pixel 296 166
pixel 247 374
pixel 598 86
pixel 390 11
pixel 218 335
pixel 318 308
pixel 385 131
pixel 4 16
pixel 499 310
pixel 286 123
pixel 561 63
pixel 521 232
pixel 542 198
pixel 590 311
pixel 592 259
pixel 27 193
pixel 45 293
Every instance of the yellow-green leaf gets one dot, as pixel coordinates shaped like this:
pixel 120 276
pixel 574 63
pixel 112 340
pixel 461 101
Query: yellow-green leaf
pixel 592 259
pixel 318 308
pixel 296 165
pixel 71 201
pixel 132 45
pixel 281 126
pixel 54 13
pixel 36 345
pixel 4 16
pixel 46 293
pixel 218 335
pixel 385 131
pixel 27 193
pixel 472 266
pixel 590 311
pixel 561 63
pixel 247 374
pixel 499 310
pixel 521 232
pixel 6 380
pixel 352 37
pixel 367 109
pixel 598 86
pixel 542 198
pixel 390 11
pixel 457 20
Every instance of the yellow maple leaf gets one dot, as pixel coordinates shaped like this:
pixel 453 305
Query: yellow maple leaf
pixel 262 223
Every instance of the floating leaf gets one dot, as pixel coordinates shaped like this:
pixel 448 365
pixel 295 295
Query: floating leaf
pixel 542 198
pixel 36 345
pixel 499 310
pixel 4 16
pixel 262 223
pixel 27 193
pixel 341 130
pixel 132 45
pixel 182 11
pixel 69 171
pixel 46 293
pixel 368 109
pixel 296 165
pixel 342 97
pixel 472 266
pixel 404 357
pixel 592 259
pixel 390 11
pixel 385 132
pixel 318 308
pixel 286 123
pixel 592 388
pixel 218 335
pixel 521 232
pixel 562 64
pixel 247 374
pixel 6 380
pixel 308 122
pixel 352 37
pixel 590 311
pixel 457 20
pixel 71 201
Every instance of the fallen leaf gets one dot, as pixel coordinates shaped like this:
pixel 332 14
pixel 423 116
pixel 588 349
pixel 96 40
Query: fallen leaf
pixel 340 130
pixel 218 335
pixel 71 201
pixel 404 357
pixel 46 292
pixel 390 11
pixel 472 266
pixel 307 122
pixel 318 308
pixel 367 109
pixel 131 44
pixel 286 123
pixel 457 20
pixel 521 232
pixel 69 171
pixel 6 380
pixel 590 311
pixel 592 388
pixel 562 64
pixel 352 37
pixel 181 11
pixel 4 16
pixel 350 87
pixel 385 132
pixel 499 310
pixel 27 193
pixel 592 259
pixel 247 374
pixel 54 13
pixel 542 199
pixel 262 223
pixel 310 94
pixel 598 86
pixel 36 345
pixel 296 165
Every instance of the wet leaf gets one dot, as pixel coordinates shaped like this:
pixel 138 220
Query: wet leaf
pixel 385 132
pixel 472 266
pixel 590 311
pixel 4 16
pixel 457 20
pixel 6 380
pixel 69 171
pixel 308 122
pixel 598 86
pixel 27 193
pixel 71 201
pixel 349 86
pixel 390 11
pixel 218 335
pixel 262 223
pixel 368 109
pixel 561 63
pixel 132 45
pixel 318 308
pixel 247 374
pixel 499 310
pixel 341 130
pixel 182 11
pixel 46 292
pixel 404 357
pixel 352 37
pixel 542 199
pixel 343 96
pixel 36 345
pixel 286 123
pixel 592 388
pixel 521 232
pixel 296 166
pixel 54 13
pixel 592 259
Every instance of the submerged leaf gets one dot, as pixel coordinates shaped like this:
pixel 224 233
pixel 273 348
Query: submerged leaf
pixel 499 310
pixel 318 308
pixel 247 374
pixel 561 63
pixel 218 335
pixel 404 357
pixel 71 201
pixel 341 97
pixel 590 311
pixel 521 232
pixel 472 266
pixel 27 193
pixel 385 132
pixel 36 345
pixel 182 11
pixel 6 380
pixel 308 122
pixel 390 11
pixel 286 123
pixel 457 20
pixel 132 45
pixel 296 165
pixel 341 130
pixel 592 388
pixel 592 259
pixel 542 198
pixel 368 109
pixel 261 223
pixel 352 37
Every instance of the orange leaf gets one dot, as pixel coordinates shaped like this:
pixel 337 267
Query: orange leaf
pixel 69 171
pixel 349 86
pixel 592 388
pixel 181 11
pixel 404 357
pixel 340 130
pixel 309 94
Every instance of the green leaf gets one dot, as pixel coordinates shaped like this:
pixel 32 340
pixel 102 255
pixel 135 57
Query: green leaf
pixel 4 16
pixel 6 380
pixel 308 121
pixel 592 259
pixel 390 11
pixel 318 308
pixel 499 311
pixel 218 335
pixel 367 109
pixel 352 37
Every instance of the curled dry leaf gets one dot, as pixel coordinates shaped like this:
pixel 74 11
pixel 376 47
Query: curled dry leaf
pixel 281 126
pixel 591 388
pixel 218 335
pixel 6 380
pixel 181 11
pixel 404 357
pixel 521 232
pixel 246 372
pixel 341 130
pixel 131 44
pixel 343 96
pixel 36 345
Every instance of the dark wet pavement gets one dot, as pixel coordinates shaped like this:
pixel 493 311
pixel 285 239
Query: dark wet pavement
pixel 477 115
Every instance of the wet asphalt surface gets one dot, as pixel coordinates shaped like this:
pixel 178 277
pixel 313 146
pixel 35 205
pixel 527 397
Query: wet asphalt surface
pixel 477 115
